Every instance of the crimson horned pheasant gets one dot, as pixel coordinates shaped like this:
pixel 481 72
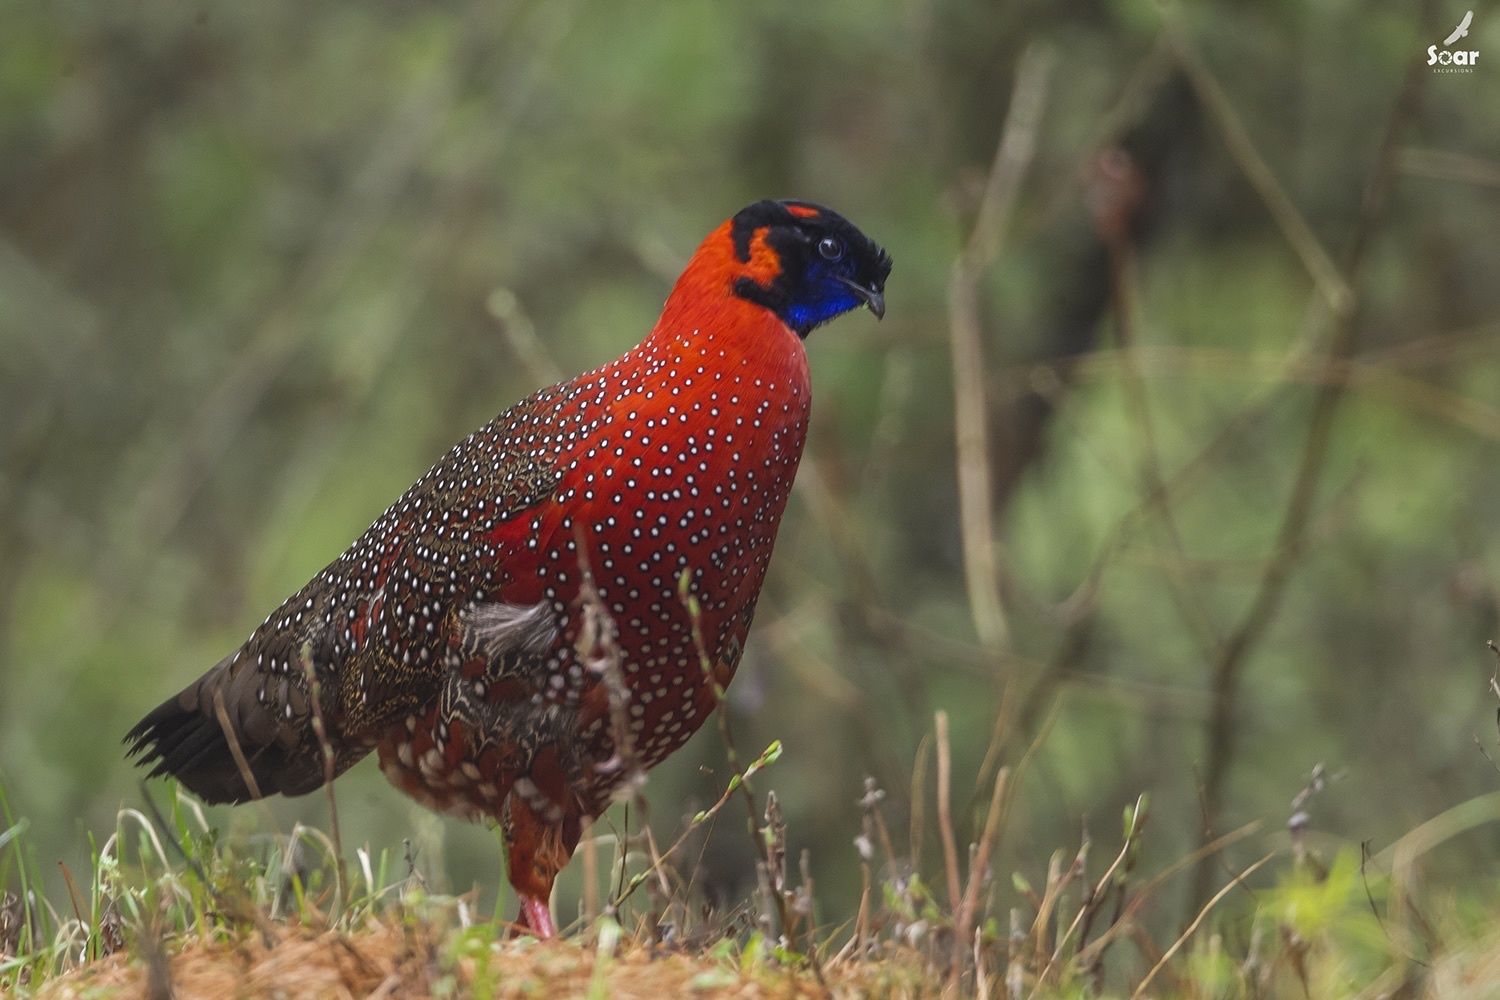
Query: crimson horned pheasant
pixel 447 638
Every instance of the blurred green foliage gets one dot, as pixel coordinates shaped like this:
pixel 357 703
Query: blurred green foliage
pixel 261 264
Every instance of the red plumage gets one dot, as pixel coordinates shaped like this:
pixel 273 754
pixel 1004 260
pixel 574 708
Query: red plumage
pixel 453 637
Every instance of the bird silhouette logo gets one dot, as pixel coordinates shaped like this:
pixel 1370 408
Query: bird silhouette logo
pixel 1461 30
pixel 1454 60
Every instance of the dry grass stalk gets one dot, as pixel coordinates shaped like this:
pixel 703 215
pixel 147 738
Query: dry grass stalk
pixel 970 414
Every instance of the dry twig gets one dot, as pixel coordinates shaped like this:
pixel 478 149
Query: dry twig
pixel 976 505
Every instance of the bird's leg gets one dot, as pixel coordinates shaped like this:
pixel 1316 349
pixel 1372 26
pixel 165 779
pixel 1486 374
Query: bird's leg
pixel 541 835
pixel 536 916
pixel 530 866
pixel 538 851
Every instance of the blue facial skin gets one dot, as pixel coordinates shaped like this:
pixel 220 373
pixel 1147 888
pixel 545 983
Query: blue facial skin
pixel 830 267
pixel 835 281
pixel 823 297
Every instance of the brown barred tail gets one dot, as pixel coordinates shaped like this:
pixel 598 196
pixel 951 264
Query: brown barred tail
pixel 183 738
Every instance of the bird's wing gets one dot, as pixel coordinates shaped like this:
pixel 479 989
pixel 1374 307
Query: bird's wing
pixel 367 633
pixel 1461 30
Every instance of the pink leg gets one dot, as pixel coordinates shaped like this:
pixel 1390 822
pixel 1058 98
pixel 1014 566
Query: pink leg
pixel 540 847
pixel 537 917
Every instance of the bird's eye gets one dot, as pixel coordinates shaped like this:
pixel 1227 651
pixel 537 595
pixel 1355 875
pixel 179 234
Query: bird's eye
pixel 830 248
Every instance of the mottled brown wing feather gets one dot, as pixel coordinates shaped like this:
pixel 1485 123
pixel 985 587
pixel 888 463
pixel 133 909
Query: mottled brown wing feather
pixel 370 628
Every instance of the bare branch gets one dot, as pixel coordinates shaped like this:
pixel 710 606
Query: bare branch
pixel 970 416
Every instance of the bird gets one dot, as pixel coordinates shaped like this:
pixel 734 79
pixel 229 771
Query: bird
pixel 1462 29
pixel 558 604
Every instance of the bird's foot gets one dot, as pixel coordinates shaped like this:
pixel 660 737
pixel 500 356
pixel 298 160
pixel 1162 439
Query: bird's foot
pixel 536 917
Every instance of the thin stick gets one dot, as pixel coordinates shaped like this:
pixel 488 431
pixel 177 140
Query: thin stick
pixel 862 919
pixel 970 413
pixel 1335 290
pixel 1118 190
pixel 1291 537
pixel 945 809
pixel 233 740
pixel 999 736
pixel 1094 898
pixel 1095 950
pixel 981 975
pixel 505 307
pixel 964 924
pixel 320 729
pixel 590 877
pixel 721 707
pixel 658 864
pixel 351 228
pixel 1194 925
pixel 918 827
pixel 74 896
pixel 735 781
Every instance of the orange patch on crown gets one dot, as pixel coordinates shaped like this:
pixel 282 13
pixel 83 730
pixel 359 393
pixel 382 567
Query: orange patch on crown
pixel 803 211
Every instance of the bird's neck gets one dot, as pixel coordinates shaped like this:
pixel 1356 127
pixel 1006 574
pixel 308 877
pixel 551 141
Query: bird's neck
pixel 705 322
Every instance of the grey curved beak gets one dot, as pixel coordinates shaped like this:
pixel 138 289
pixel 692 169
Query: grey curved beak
pixel 872 297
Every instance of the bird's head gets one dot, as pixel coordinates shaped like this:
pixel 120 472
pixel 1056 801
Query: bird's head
pixel 805 263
